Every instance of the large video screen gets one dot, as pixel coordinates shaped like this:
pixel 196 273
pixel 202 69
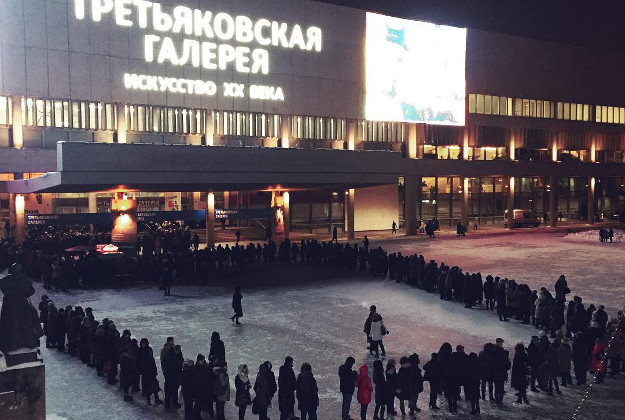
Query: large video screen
pixel 415 71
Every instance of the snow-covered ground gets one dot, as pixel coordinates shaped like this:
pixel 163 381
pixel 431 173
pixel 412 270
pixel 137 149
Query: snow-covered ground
pixel 593 236
pixel 320 323
pixel 594 270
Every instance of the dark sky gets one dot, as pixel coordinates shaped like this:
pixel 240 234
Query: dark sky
pixel 592 23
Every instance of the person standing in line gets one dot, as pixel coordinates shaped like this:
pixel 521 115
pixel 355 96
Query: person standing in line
pixel 147 369
pixel 394 227
pixel 501 365
pixel 518 378
pixel 221 388
pixel 434 375
pixel 237 306
pixel 265 388
pixel 365 388
pixel 217 347
pixel 243 386
pixel 186 381
pixel 552 368
pixel 347 377
pixel 565 354
pixel 403 386
pixel 391 386
pixel 286 389
pixel 472 383
pixel 172 369
pixel 381 390
pixel 580 359
pixel 416 383
pixel 367 328
pixel 307 393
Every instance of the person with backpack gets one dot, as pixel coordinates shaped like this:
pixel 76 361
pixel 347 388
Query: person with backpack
pixel 365 388
pixel 307 393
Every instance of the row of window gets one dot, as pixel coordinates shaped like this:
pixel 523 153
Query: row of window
pixel 80 115
pixel 537 108
pixel 161 119
pixel 246 124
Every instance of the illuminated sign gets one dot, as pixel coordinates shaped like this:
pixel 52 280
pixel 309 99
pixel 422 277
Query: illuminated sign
pixel 415 71
pixel 207 43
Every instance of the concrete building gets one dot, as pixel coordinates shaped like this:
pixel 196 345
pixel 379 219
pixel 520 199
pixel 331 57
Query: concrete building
pixel 361 119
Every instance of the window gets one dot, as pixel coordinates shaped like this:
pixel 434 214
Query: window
pixel 539 108
pixel 480 104
pixel 526 107
pixel 472 103
pixel 495 105
pixel 488 105
pixel 518 107
pixel 567 111
pixel 586 116
pixel 503 106
pixel 5 110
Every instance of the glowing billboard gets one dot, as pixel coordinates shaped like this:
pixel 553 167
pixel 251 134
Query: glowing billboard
pixel 415 71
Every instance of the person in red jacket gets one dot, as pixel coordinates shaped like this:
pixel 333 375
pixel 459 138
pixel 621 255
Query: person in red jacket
pixel 597 361
pixel 365 388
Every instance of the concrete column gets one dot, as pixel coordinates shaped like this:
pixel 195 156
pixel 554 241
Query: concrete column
pixel 349 213
pixel 286 213
pixel 510 206
pixel 93 202
pixel 196 200
pixel 209 127
pixel 17 123
pixel 553 201
pixel 122 127
pixel 512 146
pixel 20 220
pixel 210 220
pixel 465 201
pixel 410 204
pixel 591 200
pixel 285 131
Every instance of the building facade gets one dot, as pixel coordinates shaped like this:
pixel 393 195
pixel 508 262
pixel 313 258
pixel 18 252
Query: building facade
pixel 483 122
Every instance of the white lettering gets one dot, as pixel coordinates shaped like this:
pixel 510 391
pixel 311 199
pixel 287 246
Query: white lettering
pixel 314 38
pixel 121 11
pixel 142 8
pixel 244 29
pixel 209 55
pixel 260 61
pixel 190 47
pixel 183 18
pixel 79 9
pixel 227 54
pixel 297 38
pixel 100 7
pixel 179 84
pixel 168 52
pixel 258 31
pixel 174 85
pixel 218 25
pixel 162 22
pixel 278 34
pixel 149 47
pixel 234 90
pixel 242 59
pixel 266 93
pixel 202 23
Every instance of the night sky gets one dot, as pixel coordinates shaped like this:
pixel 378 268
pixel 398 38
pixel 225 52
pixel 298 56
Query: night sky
pixel 592 23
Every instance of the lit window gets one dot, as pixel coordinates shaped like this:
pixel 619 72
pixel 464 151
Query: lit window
pixel 560 110
pixel 495 105
pixel 610 114
pixel 480 104
pixel 597 113
pixel 503 106
pixel 509 107
pixel 547 109
pixel 472 103
pixel 604 113
pixel 518 107
pixel 579 112
pixel 488 105
pixel 539 108
pixel 532 108
pixel 567 111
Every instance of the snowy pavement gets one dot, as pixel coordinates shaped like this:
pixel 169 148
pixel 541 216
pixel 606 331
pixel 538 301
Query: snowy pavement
pixel 320 323
pixel 594 270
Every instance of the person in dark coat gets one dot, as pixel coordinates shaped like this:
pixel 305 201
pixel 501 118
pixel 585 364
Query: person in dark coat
pixel 552 361
pixel 534 360
pixel 580 358
pixel 500 295
pixel 453 380
pixel 472 382
pixel 347 376
pixel 111 356
pixel 237 306
pixel 83 340
pixel 128 368
pixel 172 369
pixel 202 386
pixel 434 375
pixel 404 382
pixel 146 366
pixel 307 393
pixel 217 347
pixel 265 388
pixel 501 366
pixel 518 378
pixel 242 386
pixel 381 390
pixel 286 389
pixel 186 382
pixel 416 383
pixel 486 373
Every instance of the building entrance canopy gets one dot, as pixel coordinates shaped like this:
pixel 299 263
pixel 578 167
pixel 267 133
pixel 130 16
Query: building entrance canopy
pixel 90 167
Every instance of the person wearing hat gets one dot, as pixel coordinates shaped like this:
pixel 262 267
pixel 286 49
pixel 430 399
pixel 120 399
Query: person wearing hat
pixel 307 393
pixel 286 389
pixel 186 382
pixel 347 377
pixel 202 386
pixel 501 366
pixel 243 386
pixel 518 378
pixel 565 354
pixel 534 359
pixel 172 368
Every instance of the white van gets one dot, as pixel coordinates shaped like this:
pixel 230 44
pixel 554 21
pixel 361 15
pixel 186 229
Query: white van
pixel 521 218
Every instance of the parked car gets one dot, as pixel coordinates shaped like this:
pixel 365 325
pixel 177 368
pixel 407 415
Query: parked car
pixel 521 218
